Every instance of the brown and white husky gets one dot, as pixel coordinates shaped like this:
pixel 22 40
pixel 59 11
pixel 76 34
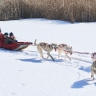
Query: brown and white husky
pixel 64 48
pixel 46 47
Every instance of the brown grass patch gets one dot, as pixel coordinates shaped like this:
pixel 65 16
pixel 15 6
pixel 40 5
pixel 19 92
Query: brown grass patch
pixel 67 10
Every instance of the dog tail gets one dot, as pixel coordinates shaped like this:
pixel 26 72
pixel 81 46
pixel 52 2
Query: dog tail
pixel 35 42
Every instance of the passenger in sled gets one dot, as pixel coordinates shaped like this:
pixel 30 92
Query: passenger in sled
pixel 9 39
pixel 12 37
pixel 1 35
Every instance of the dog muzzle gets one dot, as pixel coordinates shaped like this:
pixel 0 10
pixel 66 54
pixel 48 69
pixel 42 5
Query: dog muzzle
pixel 55 48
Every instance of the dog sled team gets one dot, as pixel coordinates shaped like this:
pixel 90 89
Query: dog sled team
pixel 41 46
pixel 49 47
pixel 61 48
pixel 65 49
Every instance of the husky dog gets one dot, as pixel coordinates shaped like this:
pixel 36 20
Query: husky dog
pixel 93 69
pixel 64 48
pixel 93 56
pixel 46 47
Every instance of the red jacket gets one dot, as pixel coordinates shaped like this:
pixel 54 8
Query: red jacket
pixel 1 35
pixel 1 40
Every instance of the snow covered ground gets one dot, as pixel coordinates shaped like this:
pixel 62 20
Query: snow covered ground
pixel 24 73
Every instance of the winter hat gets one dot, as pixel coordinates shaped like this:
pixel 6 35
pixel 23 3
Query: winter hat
pixel 11 34
pixel 5 34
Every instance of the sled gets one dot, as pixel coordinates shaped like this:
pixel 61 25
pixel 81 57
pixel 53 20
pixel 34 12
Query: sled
pixel 14 45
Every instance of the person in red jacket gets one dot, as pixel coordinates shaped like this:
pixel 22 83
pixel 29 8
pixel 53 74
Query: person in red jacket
pixel 1 35
pixel 1 39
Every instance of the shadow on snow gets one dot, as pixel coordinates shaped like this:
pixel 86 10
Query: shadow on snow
pixel 86 69
pixel 81 83
pixel 31 60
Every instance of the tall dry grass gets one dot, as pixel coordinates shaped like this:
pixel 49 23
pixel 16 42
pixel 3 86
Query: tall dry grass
pixel 68 10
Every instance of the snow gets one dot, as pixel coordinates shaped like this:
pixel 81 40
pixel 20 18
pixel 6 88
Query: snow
pixel 25 73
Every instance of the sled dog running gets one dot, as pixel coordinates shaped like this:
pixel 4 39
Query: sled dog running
pixel 93 69
pixel 93 56
pixel 66 49
pixel 93 66
pixel 46 47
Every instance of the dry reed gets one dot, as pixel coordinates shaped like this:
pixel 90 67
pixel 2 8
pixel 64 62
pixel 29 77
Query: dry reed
pixel 67 10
